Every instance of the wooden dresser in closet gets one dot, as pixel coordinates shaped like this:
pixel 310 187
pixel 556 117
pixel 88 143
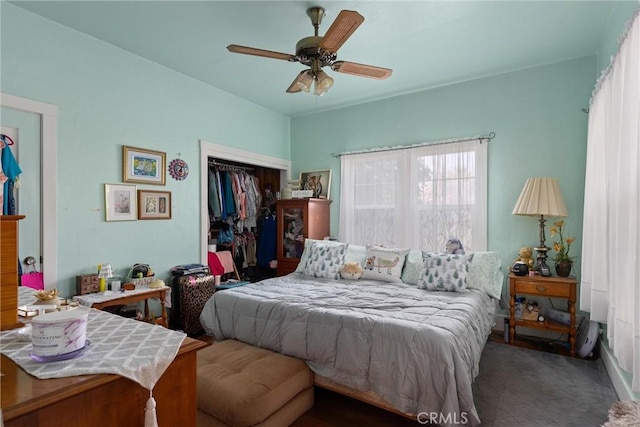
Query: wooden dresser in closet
pixel 297 220
pixel 9 271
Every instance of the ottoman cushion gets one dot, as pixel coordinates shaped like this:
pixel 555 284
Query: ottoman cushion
pixel 243 385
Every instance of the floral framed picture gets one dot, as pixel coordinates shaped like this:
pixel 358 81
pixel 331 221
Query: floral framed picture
pixel 120 202
pixel 154 204
pixel 143 166
pixel 318 181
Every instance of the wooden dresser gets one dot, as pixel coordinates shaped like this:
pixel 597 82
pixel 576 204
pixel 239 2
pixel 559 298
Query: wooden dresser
pixel 9 271
pixel 100 400
pixel 297 220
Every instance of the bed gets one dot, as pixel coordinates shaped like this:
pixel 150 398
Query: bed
pixel 414 351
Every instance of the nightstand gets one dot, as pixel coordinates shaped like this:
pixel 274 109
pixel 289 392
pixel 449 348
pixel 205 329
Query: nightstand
pixel 552 286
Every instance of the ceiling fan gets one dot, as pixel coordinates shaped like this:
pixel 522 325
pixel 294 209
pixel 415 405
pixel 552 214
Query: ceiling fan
pixel 317 52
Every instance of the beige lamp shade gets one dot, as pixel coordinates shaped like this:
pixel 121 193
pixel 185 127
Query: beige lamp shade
pixel 105 271
pixel 541 196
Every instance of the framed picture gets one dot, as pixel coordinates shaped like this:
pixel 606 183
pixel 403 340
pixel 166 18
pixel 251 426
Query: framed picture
pixel 120 202
pixel 143 166
pixel 154 204
pixel 318 181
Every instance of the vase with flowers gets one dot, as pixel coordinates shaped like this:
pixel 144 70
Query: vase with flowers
pixel 562 258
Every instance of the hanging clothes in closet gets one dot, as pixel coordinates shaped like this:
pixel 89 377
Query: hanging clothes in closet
pixel 234 206
pixel 266 249
pixel 233 194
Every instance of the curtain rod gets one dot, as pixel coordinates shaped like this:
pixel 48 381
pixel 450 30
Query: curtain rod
pixel 421 144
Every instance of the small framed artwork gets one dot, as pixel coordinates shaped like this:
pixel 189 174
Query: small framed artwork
pixel 120 202
pixel 143 166
pixel 317 181
pixel 154 204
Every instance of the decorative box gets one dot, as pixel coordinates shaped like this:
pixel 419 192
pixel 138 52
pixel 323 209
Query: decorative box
pixel 87 284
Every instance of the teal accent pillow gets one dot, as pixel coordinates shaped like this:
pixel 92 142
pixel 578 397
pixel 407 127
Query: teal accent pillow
pixel 413 265
pixel 444 272
pixel 486 274
pixel 325 261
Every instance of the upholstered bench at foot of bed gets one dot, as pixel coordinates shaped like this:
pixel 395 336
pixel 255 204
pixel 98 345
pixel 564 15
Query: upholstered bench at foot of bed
pixel 242 385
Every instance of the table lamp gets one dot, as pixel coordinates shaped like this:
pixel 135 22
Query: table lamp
pixel 541 196
pixel 104 273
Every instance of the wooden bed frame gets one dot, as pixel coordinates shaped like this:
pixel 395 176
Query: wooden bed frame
pixel 368 397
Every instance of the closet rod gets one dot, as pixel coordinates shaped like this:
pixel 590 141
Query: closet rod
pixel 225 166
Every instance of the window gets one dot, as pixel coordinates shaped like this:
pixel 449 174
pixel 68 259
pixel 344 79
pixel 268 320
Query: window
pixel 416 197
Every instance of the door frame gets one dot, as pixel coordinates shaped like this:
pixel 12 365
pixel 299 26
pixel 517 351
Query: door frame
pixel 48 176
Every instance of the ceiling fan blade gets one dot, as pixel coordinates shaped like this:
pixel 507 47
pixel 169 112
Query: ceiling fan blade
pixel 261 52
pixel 341 29
pixel 361 70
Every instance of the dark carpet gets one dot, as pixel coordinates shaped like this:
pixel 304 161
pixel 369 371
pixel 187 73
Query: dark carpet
pixel 521 387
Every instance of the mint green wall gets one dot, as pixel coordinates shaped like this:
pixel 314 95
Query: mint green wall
pixel 536 115
pixel 620 16
pixel 108 98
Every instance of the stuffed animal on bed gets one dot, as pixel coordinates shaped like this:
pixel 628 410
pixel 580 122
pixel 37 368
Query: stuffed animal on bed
pixel 351 271
pixel 454 246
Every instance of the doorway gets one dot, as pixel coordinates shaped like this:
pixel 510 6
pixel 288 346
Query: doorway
pixel 26 112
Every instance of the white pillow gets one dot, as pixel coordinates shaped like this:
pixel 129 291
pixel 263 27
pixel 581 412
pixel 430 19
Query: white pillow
pixel 356 253
pixel 384 264
pixel 444 272
pixel 325 261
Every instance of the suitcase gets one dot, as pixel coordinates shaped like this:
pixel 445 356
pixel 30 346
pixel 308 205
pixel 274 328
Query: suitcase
pixel 189 293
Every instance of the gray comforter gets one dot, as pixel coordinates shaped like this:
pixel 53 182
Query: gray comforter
pixel 418 350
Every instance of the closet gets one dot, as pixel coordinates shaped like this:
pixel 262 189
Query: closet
pixel 241 214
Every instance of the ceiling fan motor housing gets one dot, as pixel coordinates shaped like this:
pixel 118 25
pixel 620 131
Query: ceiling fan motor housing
pixel 308 49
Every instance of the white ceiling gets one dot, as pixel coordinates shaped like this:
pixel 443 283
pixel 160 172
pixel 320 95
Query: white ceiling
pixel 426 43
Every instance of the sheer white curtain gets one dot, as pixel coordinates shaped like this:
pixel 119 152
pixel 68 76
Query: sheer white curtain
pixel 611 236
pixel 416 197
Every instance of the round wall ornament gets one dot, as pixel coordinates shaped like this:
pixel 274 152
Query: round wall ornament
pixel 178 169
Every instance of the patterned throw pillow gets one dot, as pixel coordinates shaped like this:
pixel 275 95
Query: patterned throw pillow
pixel 444 272
pixel 325 261
pixel 384 264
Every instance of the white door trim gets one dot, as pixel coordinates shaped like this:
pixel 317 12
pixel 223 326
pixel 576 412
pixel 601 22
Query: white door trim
pixel 49 155
pixel 217 151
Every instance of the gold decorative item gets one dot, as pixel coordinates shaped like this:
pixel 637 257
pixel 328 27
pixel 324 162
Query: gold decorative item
pixel 47 298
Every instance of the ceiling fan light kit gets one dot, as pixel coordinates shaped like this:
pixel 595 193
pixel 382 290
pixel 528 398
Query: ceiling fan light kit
pixel 317 52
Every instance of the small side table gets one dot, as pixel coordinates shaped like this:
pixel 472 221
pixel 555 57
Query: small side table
pixel 552 286
pixel 100 300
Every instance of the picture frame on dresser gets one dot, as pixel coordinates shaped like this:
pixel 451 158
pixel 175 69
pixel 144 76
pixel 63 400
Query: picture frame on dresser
pixel 318 181
pixel 153 204
pixel 120 202
pixel 143 166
